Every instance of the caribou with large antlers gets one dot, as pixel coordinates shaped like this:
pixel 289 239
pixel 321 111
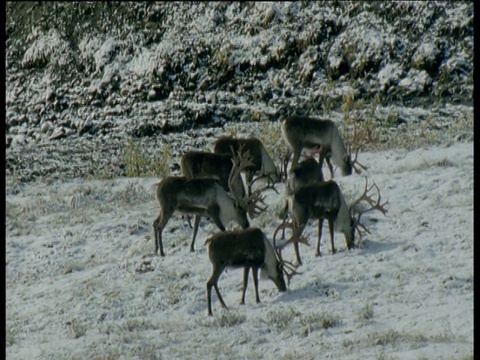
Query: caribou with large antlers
pixel 357 210
pixel 321 200
pixel 200 197
pixel 317 136
pixel 249 249
pixel 308 171
pixel 262 164
pixel 205 197
pixel 324 200
pixel 206 164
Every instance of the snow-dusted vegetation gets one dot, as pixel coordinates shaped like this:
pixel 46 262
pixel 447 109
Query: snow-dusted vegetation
pixel 92 77
pixel 102 99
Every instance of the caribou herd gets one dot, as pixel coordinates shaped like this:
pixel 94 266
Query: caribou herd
pixel 211 185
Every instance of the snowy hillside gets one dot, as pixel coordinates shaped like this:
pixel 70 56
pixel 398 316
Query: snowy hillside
pixel 103 99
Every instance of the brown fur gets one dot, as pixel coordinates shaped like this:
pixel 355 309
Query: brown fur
pixel 199 196
pixel 225 145
pixel 247 248
pixel 206 164
pixel 301 132
pixel 306 172
pixel 322 200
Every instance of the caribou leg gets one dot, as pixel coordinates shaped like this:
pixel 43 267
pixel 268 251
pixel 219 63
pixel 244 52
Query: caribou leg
pixel 217 271
pixel 320 227
pixel 158 226
pixel 195 230
pixel 255 282
pixel 330 226
pixel 297 232
pixel 246 270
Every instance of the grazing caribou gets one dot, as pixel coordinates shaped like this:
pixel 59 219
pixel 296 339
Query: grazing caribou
pixel 262 163
pixel 306 172
pixel 317 135
pixel 200 197
pixel 324 200
pixel 249 249
pixel 205 196
pixel 206 164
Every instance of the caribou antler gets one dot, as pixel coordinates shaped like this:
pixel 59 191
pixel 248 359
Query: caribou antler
pixel 375 204
pixel 253 204
pixel 289 268
pixel 296 236
pixel 282 226
pixel 355 163
pixel 270 183
pixel 356 214
pixel 241 161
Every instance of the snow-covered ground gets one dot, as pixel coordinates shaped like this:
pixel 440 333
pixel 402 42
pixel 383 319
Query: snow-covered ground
pixel 82 280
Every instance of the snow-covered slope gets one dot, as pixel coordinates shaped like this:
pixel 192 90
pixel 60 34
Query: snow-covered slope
pixel 82 280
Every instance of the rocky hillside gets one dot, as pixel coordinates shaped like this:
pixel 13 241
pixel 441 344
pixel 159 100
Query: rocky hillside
pixel 93 87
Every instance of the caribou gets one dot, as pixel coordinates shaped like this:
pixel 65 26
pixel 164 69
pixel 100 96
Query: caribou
pixel 262 164
pixel 207 164
pixel 306 172
pixel 204 196
pixel 324 200
pixel 249 249
pixel 317 136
